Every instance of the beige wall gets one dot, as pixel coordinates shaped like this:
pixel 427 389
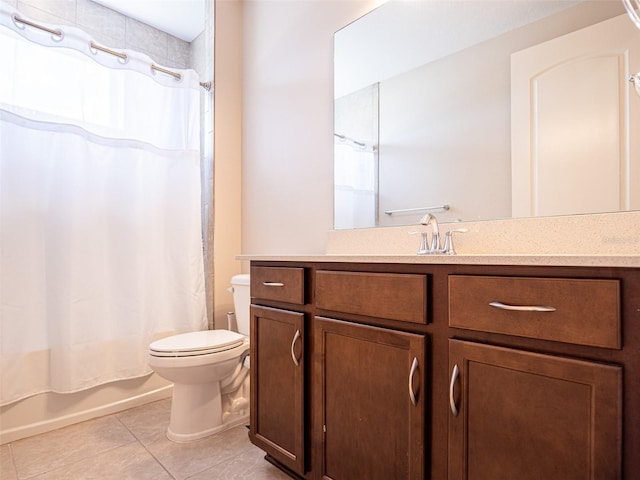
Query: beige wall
pixel 273 117
pixel 227 177
pixel 287 125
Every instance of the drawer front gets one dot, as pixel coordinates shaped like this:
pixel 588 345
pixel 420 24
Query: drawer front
pixel 282 284
pixel 579 311
pixel 383 295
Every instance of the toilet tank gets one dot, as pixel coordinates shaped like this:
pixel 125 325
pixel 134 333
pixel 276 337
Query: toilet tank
pixel 241 301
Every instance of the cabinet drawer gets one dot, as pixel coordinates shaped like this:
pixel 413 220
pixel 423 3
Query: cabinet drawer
pixel 282 284
pixel 582 311
pixel 383 295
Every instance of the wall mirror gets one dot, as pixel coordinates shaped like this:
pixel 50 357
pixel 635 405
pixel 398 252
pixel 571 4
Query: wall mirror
pixel 485 109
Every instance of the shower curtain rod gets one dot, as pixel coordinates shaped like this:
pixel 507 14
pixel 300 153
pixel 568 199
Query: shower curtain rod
pixel 92 45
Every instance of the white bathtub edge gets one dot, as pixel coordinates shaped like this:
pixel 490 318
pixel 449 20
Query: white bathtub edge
pixel 13 434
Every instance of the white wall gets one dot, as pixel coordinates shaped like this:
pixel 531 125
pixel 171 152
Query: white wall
pixel 287 125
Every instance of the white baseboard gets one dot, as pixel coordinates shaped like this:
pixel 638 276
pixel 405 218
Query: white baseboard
pixel 34 428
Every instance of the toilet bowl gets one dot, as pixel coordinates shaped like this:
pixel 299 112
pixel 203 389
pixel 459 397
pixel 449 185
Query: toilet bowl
pixel 209 373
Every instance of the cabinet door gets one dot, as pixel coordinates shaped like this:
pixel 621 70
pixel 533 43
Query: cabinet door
pixel 369 396
pixel 277 385
pixel 517 414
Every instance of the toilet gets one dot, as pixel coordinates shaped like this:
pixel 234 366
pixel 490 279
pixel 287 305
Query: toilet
pixel 210 373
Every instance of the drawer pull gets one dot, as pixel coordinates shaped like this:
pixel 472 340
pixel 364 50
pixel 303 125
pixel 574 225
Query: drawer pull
pixel 412 395
pixel 522 308
pixel 452 384
pixel 293 344
pixel 273 284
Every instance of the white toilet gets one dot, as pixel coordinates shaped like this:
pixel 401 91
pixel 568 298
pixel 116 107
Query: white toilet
pixel 209 373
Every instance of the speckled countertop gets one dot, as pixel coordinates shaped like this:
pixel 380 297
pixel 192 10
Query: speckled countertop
pixel 629 261
pixel 597 240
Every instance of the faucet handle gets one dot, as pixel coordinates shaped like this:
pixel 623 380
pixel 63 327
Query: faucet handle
pixel 448 241
pixel 424 242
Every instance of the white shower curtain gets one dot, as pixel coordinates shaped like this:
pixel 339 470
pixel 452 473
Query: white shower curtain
pixel 100 227
pixel 355 186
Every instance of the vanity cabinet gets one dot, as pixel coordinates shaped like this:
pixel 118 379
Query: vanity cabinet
pixel 519 414
pixel 578 311
pixel 369 401
pixel 390 296
pixel 370 382
pixel 436 371
pixel 278 407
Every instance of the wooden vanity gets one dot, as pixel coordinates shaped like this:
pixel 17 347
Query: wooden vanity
pixel 446 371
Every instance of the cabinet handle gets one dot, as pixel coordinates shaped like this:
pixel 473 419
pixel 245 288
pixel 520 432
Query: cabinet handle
pixel 293 344
pixel 412 395
pixel 522 308
pixel 454 379
pixel 273 284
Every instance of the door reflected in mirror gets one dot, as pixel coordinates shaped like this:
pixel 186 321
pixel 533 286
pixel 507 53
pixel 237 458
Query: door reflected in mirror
pixel 474 113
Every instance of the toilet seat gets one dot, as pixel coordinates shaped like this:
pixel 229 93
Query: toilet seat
pixel 196 343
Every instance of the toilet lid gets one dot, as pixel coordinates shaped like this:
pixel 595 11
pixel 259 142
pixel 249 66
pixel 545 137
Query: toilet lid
pixel 196 343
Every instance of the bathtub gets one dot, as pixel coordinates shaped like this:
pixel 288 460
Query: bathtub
pixel 49 411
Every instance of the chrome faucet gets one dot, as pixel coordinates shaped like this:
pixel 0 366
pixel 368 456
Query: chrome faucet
pixel 434 247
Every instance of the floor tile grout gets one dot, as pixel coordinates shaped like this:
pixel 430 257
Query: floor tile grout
pixel 71 464
pixel 140 433
pixel 139 441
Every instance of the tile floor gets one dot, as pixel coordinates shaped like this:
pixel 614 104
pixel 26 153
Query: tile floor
pixel 132 445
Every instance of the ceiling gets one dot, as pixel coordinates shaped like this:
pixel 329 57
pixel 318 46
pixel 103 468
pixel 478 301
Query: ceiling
pixel 181 18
